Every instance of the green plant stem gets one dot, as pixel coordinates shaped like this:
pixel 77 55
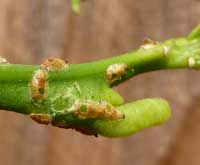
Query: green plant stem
pixel 88 81
pixel 180 50
pixel 76 6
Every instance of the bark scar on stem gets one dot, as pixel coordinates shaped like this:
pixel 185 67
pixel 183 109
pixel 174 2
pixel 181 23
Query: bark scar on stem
pixel 54 64
pixel 93 110
pixel 39 85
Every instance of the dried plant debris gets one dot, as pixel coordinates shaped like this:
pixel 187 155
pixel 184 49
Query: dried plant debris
pixel 55 64
pixel 39 85
pixel 93 110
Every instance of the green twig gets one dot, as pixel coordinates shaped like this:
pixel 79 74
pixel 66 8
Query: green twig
pixel 76 6
pixel 80 96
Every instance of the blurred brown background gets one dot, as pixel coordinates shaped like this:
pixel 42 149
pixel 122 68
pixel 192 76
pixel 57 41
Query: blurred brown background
pixel 31 30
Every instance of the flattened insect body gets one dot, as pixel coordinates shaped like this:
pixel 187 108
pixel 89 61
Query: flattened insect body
pixel 41 118
pixel 93 110
pixel 148 44
pixel 115 72
pixel 39 85
pixel 54 64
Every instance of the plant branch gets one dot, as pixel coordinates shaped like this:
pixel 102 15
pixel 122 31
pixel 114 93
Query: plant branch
pixel 80 96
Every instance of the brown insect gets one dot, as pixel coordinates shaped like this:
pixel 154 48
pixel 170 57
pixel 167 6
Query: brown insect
pixel 115 72
pixel 39 85
pixel 41 118
pixel 89 109
pixel 54 64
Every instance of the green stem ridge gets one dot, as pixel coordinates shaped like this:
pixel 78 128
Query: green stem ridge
pixel 80 96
